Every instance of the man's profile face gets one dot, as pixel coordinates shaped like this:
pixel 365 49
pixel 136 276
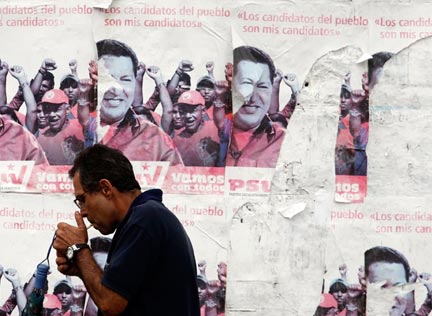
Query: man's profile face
pixel 96 207
pixel 118 87
pixel 44 87
pixel 393 273
pixel 252 91
pixel 192 116
pixel 55 115
pixel 41 117
pixel 178 119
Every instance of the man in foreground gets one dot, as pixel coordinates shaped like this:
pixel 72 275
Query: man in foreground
pixel 150 249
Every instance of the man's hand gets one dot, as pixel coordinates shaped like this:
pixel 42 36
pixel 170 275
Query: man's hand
pixel 229 68
pixel 278 77
pixel 4 68
pixel 291 81
pixel 73 65
pixel 84 88
pixel 210 67
pixel 93 71
pixel 78 292
pixel 68 235
pixel 425 278
pixel 202 266
pixel 47 65
pixel 12 276
pixel 221 87
pixel 347 78
pixel 358 96
pixel 18 73
pixel 65 266
pixel 140 71
pixel 155 73
pixel 343 270
pixel 185 66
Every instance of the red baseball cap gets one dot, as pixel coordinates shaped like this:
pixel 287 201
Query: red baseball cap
pixel 51 301
pixel 191 97
pixel 327 301
pixel 55 96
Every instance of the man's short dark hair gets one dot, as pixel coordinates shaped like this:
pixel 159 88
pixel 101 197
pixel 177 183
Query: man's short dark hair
pixel 388 255
pixel 185 78
pixel 255 55
pixel 337 286
pixel 100 244
pixel 118 49
pixel 102 162
pixel 49 77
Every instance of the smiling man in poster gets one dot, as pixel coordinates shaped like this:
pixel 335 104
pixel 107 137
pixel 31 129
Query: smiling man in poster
pixel 255 141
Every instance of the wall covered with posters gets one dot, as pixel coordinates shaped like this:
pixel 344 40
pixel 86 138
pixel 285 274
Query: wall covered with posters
pixel 290 138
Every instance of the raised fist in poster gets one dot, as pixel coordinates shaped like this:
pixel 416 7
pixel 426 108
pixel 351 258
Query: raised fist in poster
pixel 229 68
pixel 141 70
pixel 73 65
pixel 202 266
pixel 291 81
pixel 358 96
pixel 277 77
pixel 347 78
pixel 185 66
pixel 18 73
pixel 84 88
pixel 155 73
pixel 210 68
pixel 12 276
pixel 343 271
pixel 48 64
pixel 4 68
pixel 221 87
pixel 93 71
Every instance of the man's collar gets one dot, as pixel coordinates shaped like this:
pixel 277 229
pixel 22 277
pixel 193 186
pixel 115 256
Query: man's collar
pixel 153 194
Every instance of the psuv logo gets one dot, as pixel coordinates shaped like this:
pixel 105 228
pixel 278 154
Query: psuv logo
pixel 150 174
pixel 15 175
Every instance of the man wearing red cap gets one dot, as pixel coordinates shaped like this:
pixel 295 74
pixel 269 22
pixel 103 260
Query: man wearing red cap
pixel 63 139
pixel 198 142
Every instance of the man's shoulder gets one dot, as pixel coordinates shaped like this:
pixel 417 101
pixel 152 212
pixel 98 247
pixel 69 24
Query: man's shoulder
pixel 10 128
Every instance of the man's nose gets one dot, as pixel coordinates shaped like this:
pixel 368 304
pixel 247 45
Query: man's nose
pixel 83 211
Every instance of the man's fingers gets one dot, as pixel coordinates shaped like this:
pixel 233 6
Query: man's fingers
pixel 79 220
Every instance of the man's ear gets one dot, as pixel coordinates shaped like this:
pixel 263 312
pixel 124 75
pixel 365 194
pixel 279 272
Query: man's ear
pixel 106 188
